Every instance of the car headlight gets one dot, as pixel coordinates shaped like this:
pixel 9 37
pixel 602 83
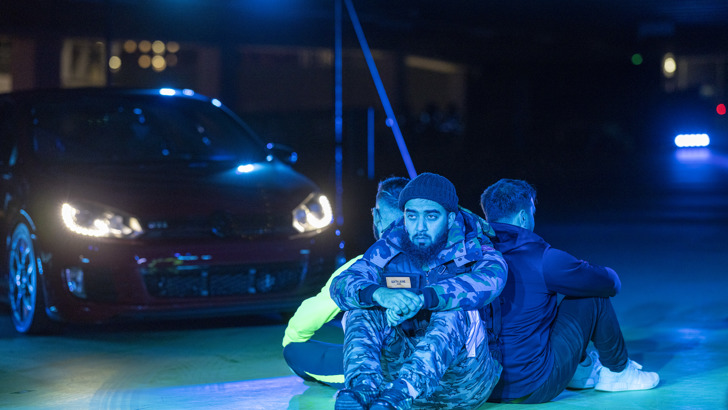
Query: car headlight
pixel 89 220
pixel 313 214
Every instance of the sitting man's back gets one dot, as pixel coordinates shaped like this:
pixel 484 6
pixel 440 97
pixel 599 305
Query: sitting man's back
pixel 544 342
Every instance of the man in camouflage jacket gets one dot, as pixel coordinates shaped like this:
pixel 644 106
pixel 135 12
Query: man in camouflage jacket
pixel 412 331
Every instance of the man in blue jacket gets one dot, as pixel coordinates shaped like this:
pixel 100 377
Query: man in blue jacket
pixel 412 332
pixel 542 343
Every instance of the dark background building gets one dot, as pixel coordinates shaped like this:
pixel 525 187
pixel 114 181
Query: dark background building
pixel 576 96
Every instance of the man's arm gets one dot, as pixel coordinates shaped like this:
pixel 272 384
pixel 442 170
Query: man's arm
pixel 471 290
pixel 570 276
pixel 354 287
pixel 314 312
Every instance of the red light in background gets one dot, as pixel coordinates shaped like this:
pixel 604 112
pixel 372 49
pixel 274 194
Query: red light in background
pixel 720 109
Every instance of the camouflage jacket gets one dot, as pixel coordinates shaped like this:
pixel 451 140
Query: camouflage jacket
pixel 467 274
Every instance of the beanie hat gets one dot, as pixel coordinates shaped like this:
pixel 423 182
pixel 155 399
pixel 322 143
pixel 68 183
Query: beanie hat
pixel 433 187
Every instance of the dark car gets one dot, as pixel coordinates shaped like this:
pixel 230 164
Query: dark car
pixel 121 204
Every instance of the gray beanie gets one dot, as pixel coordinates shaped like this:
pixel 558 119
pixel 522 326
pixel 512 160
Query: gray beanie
pixel 433 187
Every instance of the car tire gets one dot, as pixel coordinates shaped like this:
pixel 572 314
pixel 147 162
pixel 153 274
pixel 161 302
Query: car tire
pixel 27 304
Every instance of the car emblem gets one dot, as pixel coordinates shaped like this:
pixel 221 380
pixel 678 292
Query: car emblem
pixel 223 224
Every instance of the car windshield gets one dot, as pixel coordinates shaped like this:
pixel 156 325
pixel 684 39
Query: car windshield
pixel 139 129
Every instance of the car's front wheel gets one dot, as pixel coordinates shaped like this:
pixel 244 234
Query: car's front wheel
pixel 26 296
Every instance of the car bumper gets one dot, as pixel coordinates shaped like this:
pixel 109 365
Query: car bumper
pixel 120 280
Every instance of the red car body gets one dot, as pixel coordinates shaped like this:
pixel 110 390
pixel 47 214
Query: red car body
pixel 184 228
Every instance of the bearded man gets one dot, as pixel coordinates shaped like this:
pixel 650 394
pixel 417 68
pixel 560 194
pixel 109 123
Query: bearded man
pixel 412 333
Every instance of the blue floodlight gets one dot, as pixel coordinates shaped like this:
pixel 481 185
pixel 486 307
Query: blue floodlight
pixel 167 91
pixel 245 168
pixel 692 140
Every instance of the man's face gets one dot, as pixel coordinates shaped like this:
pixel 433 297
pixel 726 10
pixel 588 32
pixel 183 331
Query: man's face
pixel 426 221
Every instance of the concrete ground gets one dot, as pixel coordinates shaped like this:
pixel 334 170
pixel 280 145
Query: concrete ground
pixel 673 309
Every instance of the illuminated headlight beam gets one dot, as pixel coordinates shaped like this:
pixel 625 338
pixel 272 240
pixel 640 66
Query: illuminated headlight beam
pixel 99 224
pixel 313 214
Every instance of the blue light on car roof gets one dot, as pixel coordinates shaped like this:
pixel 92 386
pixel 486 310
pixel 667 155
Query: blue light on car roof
pixel 245 168
pixel 216 102
pixel 692 140
pixel 167 91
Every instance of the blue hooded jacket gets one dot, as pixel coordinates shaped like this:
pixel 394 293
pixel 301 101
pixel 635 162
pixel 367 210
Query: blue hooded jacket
pixel 536 274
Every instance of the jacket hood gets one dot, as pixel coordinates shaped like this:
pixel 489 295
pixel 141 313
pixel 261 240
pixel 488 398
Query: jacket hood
pixel 509 237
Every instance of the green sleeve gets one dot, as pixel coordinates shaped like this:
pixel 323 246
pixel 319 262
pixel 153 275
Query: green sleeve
pixel 314 312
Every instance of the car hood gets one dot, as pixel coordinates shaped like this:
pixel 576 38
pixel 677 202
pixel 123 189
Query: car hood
pixel 185 189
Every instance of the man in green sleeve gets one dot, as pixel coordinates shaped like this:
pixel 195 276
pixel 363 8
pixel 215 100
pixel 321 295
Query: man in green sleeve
pixel 313 360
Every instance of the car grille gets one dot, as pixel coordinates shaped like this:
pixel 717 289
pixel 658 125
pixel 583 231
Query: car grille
pixel 219 224
pixel 200 281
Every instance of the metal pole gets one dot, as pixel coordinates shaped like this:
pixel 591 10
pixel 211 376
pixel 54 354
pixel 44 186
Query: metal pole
pixel 391 119
pixel 370 143
pixel 338 123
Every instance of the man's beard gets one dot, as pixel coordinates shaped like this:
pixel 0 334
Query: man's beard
pixel 425 254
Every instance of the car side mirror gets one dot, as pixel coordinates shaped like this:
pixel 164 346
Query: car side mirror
pixel 283 153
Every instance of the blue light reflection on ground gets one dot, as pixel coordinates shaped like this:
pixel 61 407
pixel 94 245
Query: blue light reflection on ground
pixel 273 393
pixel 699 167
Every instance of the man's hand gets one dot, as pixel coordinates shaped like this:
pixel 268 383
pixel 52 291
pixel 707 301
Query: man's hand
pixel 400 304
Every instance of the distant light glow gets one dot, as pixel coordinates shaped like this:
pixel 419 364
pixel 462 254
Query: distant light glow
pixel 187 91
pixel 720 109
pixel 167 91
pixel 269 145
pixel 144 61
pixel 158 47
pixel 173 46
pixel 130 46
pixel 145 46
pixel 693 155
pixel 246 168
pixel 692 140
pixel 216 102
pixel 637 59
pixel 159 63
pixel 114 63
pixel 669 66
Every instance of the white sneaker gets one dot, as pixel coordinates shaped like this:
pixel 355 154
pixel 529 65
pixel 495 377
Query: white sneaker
pixel 587 372
pixel 631 378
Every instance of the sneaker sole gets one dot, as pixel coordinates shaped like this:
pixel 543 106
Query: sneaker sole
pixel 624 387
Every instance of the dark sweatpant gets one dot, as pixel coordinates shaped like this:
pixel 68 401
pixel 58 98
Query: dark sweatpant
pixel 578 321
